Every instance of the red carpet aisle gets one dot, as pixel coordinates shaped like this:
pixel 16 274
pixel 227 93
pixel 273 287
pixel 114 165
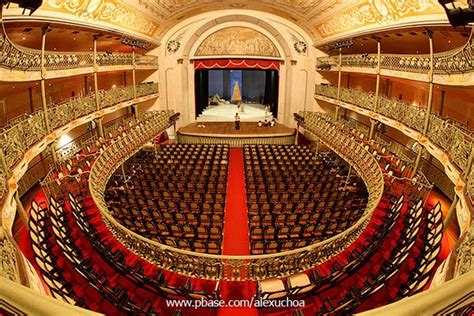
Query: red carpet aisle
pixel 236 227
pixel 236 233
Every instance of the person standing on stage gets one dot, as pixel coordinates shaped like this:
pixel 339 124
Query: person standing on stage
pixel 237 121
pixel 267 109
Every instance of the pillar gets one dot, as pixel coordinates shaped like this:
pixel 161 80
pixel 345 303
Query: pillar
pixel 377 83
pixel 21 209
pixel 96 68
pixel 451 212
pixel 430 80
pixel 134 77
pixel 372 128
pixel 339 78
pixel 44 103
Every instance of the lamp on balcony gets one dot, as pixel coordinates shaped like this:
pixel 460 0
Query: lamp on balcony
pixel 458 15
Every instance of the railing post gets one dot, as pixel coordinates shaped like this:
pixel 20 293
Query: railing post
pixel 297 132
pixel 417 161
pixel 339 79
pixel 22 211
pixel 100 127
pixel 45 30
pixel 451 212
pixel 96 68
pixel 54 156
pixel 377 84
pixel 372 128
pixel 470 163
pixel 135 111
pixel 430 80
pixel 134 78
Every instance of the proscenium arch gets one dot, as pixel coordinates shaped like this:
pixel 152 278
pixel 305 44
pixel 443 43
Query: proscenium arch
pixel 282 45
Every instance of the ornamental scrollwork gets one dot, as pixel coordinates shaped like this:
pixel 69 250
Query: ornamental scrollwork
pixel 300 47
pixel 173 46
pixel 8 259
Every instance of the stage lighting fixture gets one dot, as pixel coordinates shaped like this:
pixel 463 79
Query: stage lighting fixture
pixel 31 5
pixel 324 66
pixel 458 13
pixel 135 43
pixel 341 44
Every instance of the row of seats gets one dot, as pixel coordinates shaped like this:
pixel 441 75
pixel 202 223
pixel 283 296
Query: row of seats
pixel 184 211
pixel 116 290
pixel 44 249
pixel 278 195
pixel 138 270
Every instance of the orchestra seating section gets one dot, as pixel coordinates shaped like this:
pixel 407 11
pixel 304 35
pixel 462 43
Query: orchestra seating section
pixel 176 186
pixel 297 197
pixel 174 195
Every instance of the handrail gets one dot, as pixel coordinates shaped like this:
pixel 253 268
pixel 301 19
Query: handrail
pixel 453 139
pixel 25 301
pixel 218 267
pixel 17 138
pixel 14 56
pixel 458 60
pixel 449 299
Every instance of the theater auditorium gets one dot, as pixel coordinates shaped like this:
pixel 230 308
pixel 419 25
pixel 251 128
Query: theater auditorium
pixel 245 157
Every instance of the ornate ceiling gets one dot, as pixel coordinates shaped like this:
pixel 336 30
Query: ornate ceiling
pixel 321 19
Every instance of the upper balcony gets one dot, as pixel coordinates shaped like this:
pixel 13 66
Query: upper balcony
pixel 453 67
pixel 18 63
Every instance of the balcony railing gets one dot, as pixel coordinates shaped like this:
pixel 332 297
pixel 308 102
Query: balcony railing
pixel 216 267
pixel 27 130
pixel 459 60
pixel 22 58
pixel 454 140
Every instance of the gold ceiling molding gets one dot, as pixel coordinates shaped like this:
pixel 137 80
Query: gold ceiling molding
pixel 109 11
pixel 379 12
pixel 237 41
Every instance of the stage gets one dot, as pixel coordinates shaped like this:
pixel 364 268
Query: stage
pixel 225 133
pixel 253 112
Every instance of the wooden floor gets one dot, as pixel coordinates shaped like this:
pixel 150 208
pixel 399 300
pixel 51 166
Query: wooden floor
pixel 224 129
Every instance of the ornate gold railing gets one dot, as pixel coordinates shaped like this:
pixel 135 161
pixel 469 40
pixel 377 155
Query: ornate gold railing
pixel 216 267
pixel 34 174
pixel 459 60
pixel 20 135
pixel 22 58
pixel 27 130
pixel 455 141
pixel 8 260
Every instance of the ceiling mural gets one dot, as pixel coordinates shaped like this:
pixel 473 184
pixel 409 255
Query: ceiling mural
pixel 321 19
pixel 237 41
pixel 109 11
pixel 381 12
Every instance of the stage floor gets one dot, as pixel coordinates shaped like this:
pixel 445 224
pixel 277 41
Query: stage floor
pixel 227 129
pixel 226 113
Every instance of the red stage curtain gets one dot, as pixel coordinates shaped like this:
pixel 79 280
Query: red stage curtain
pixel 237 63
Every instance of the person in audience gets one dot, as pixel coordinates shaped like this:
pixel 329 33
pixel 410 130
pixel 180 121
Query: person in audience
pixel 237 121
pixel 272 122
pixel 259 124
pixel 265 123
